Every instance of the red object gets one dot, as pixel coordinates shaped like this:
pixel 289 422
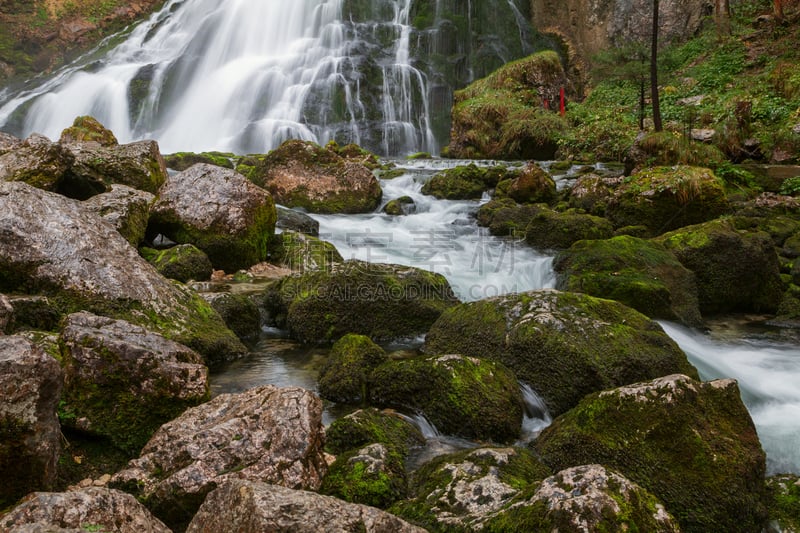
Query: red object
pixel 562 108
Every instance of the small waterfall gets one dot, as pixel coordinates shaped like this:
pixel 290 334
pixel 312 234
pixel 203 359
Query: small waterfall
pixel 536 415
pixel 424 425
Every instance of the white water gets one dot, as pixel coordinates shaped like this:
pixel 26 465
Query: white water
pixel 536 416
pixel 441 237
pixel 769 379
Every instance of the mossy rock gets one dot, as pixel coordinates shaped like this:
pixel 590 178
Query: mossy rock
pixel 183 263
pixel 504 217
pixel 692 444
pixel 238 311
pixel 592 193
pixel 345 376
pixel 736 271
pixel 785 501
pixel 303 253
pixel 464 396
pixel 549 229
pixel 788 313
pixel 367 426
pixel 666 149
pixel 463 183
pixel 372 475
pixel 380 301
pixel 356 154
pixel 564 345
pixel 180 161
pixel 400 206
pixel 639 273
pixel 88 129
pixel 779 227
pixel 460 491
pixel 791 246
pixel 533 185
pixel 667 198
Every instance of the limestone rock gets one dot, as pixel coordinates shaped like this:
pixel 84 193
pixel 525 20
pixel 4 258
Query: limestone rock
pixel 6 314
pixel 184 262
pixel 37 162
pixel 294 220
pixel 533 185
pixel 8 142
pixel 373 475
pixel 548 229
pixel 238 311
pixel 303 253
pixel 251 507
pixel 126 209
pixel 88 129
pixel 346 374
pixel 87 509
pixel 400 206
pixel 138 164
pixel 219 211
pixel 264 434
pixel 463 182
pixel 30 386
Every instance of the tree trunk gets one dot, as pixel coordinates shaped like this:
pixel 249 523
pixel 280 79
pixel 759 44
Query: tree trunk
pixel 722 17
pixel 654 70
pixel 778 9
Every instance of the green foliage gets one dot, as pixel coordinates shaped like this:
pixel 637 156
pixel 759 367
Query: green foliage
pixel 791 186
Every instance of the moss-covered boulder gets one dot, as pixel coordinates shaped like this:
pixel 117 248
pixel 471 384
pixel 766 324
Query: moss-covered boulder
pixel 400 206
pixel 304 174
pixel 464 396
pixel 549 229
pixel 40 163
pixel 692 444
pixel 736 271
pixel 88 129
pixel 504 217
pixel 295 220
pixel 667 198
pixel 137 164
pixel 461 491
pixel 346 374
pixel 371 475
pixel 181 161
pixel 239 312
pixel 592 193
pixel 639 273
pixel 379 301
pixel 564 345
pixel 533 185
pixel 501 116
pixel 665 148
pixel 123 382
pixel 784 506
pixel 463 182
pixel 218 211
pixel 585 498
pixel 183 263
pixel 303 253
pixel 368 426
pixel 125 208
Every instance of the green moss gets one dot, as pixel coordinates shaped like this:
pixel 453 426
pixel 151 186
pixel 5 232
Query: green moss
pixel 345 376
pixel 785 501
pixel 182 160
pixel 548 229
pixel 87 128
pixel 460 183
pixel 183 263
pixel 368 426
pixel 300 253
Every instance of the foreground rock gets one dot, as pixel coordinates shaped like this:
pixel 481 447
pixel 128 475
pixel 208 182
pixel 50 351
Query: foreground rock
pixel 88 509
pixel 587 498
pixel 138 165
pixel 218 211
pixel 304 174
pixel 184 262
pixel 379 301
pixel 346 375
pixel 53 246
pixel 299 252
pixel 564 345
pixel 30 388
pixel 693 445
pixel 123 382
pixel 265 434
pixel 250 507
pixel 126 209
pixel 785 508
pixel 37 162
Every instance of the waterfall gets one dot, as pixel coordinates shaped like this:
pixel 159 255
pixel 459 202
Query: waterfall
pixel 536 415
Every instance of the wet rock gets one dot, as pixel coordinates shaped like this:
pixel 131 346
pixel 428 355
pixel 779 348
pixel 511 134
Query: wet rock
pixel 264 434
pixel 30 386
pixel 238 311
pixel 533 185
pixel 88 129
pixel 691 444
pixel 369 426
pixel 548 229
pixel 505 218
pixel 299 252
pixel 183 160
pixel 87 509
pixel 346 374
pixel 291 219
pixel 138 164
pixel 123 382
pixel 126 209
pixel 184 262
pixel 6 314
pixel 371 475
pixel 251 507
pixel 463 182
pixel 564 345
pixel 400 206
pixel 37 162
pixel 218 211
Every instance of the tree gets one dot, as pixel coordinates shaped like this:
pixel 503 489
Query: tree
pixel 654 70
pixel 778 9
pixel 722 17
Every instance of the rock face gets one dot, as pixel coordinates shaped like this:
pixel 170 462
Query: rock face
pixel 238 311
pixel 30 386
pixel 126 209
pixel 53 246
pixel 373 475
pixel 304 174
pixel 548 229
pixel 379 301
pixel 88 509
pixel 218 211
pixel 691 444
pixel 639 273
pixel 123 382
pixel 564 345
pixel 264 434
pixel 137 164
pixel 587 498
pixel 37 162
pixel 250 507
pixel 6 314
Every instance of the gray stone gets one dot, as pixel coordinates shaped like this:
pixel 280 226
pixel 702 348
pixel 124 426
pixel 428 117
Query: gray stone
pixel 138 164
pixel 6 313
pixel 126 209
pixel 36 161
pixel 292 219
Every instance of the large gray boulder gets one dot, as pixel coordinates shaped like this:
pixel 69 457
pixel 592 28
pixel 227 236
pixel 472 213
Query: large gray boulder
pixel 125 208
pixel 30 388
pixel 87 509
pixel 251 507
pixel 123 382
pixel 37 162
pixel 137 164
pixel 220 212
pixel 264 434
pixel 54 246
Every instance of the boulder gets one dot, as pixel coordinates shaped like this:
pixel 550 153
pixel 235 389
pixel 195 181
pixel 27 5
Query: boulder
pixel 369 426
pixel 138 164
pixel 123 382
pixel 533 185
pixel 30 386
pixel 505 218
pixel 6 314
pixel 251 507
pixel 87 129
pixel 8 142
pixel 736 271
pixel 463 396
pixel 264 434
pixel 238 311
pixel 293 220
pixel 218 211
pixel 372 475
pixel 37 313
pixel 400 206
pixel 53 246
pixel 461 491
pixel 784 510
pixel 184 262
pixel 379 301
pixel 181 161
pixel 586 498
pixel 639 273
pixel 548 229
pixel 667 198
pixel 304 174
pixel 303 253
pixel 691 444
pixel 37 162
pixel 564 345
pixel 463 182
pixel 126 209
pixel 86 509
pixel 346 374
pixel 592 193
